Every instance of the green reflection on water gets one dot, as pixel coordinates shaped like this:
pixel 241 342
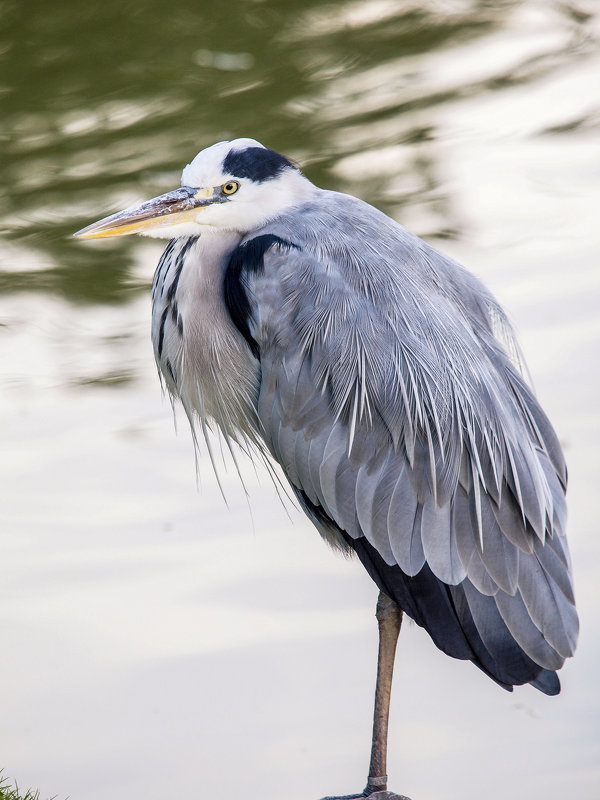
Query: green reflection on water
pixel 102 105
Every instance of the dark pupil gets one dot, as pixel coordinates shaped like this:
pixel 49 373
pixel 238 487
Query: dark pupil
pixel 229 187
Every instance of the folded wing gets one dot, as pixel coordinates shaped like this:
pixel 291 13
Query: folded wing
pixel 391 397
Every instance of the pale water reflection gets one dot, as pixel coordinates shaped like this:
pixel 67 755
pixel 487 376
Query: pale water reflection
pixel 155 641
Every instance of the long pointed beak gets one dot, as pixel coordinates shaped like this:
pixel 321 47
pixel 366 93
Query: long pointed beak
pixel 165 210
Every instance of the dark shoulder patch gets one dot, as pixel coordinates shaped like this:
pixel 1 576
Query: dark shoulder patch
pixel 256 163
pixel 247 259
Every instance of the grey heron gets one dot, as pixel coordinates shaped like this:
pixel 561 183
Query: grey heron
pixel 387 383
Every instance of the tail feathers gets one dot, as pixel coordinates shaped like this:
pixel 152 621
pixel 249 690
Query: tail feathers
pixel 547 682
pixel 462 622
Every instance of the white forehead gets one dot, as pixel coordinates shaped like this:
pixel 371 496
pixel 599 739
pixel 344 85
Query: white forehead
pixel 207 168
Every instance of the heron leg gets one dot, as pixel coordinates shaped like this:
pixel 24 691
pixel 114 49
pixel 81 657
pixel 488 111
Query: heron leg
pixel 389 619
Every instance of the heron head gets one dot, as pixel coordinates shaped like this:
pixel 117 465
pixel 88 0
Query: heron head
pixel 235 185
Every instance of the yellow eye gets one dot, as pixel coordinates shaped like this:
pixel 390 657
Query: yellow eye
pixel 230 187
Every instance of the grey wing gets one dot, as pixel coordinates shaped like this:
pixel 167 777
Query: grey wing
pixel 410 437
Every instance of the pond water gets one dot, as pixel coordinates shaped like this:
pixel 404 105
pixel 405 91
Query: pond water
pixel 156 642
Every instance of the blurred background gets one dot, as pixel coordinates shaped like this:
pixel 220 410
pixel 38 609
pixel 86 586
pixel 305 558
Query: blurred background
pixel 156 642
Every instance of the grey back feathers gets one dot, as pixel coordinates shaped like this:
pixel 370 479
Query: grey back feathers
pixel 385 380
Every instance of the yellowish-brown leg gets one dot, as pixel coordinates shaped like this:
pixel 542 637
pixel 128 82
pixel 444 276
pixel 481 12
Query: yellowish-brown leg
pixel 389 619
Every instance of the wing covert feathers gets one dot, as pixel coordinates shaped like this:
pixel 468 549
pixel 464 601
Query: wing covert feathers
pixel 391 396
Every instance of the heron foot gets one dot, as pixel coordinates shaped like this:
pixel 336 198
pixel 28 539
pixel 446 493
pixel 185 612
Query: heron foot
pixel 373 796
